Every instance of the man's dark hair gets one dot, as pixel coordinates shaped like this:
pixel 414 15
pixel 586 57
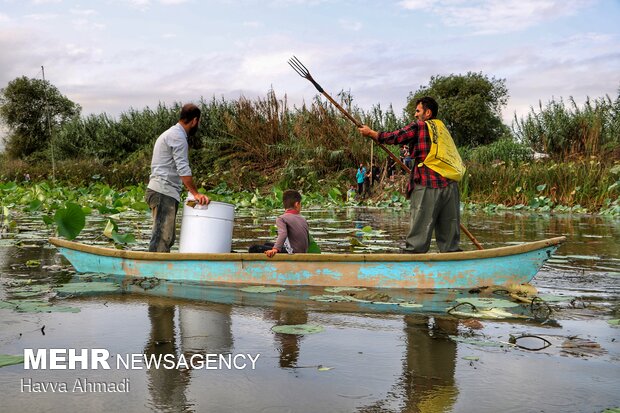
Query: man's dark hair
pixel 290 197
pixel 189 111
pixel 429 103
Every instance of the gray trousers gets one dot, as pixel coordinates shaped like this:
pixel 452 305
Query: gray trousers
pixel 164 209
pixel 435 209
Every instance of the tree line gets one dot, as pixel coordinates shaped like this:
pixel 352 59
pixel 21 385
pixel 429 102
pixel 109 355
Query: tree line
pixel 308 142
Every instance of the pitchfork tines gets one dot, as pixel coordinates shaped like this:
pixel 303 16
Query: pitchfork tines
pixel 302 71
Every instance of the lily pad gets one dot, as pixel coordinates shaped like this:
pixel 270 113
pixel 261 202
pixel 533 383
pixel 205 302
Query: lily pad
pixel 313 247
pixel 87 288
pixel 584 257
pixel 333 298
pixel 410 305
pixel 614 322
pixel 262 289
pixel 9 360
pixel 298 329
pixel 471 358
pixel 491 313
pixel 341 289
pixel 27 291
pixel 35 306
pixel 556 261
pixel 33 263
pixel 485 302
pixel 70 220
pixel 550 298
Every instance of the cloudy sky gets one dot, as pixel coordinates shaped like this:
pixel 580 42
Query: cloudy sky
pixel 111 55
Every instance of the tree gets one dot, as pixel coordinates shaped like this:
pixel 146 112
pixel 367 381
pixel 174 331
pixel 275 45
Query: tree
pixel 26 107
pixel 470 106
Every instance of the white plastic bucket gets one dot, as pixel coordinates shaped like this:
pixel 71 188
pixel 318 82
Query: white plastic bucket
pixel 207 228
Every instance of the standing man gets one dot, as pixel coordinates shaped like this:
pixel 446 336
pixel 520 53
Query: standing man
pixel 434 199
pixel 360 176
pixel 169 169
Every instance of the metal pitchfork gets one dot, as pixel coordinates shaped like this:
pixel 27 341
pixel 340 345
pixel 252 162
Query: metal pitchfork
pixel 302 71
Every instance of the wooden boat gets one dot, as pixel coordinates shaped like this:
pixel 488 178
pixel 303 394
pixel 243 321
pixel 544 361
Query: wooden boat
pixel 497 266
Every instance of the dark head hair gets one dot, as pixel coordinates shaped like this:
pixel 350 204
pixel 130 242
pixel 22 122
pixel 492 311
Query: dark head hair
pixel 189 111
pixel 290 197
pixel 429 103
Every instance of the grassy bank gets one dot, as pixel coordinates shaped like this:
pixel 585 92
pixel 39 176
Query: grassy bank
pixel 587 186
pixel 248 147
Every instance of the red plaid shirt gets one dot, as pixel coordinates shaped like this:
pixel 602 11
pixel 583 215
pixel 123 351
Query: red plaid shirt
pixel 416 136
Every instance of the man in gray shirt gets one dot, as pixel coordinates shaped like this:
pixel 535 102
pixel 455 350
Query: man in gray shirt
pixel 169 170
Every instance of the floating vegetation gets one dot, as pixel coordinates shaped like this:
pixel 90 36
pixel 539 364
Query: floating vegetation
pixel 261 289
pixel 298 329
pixel 551 298
pixel 584 257
pixel 335 298
pixel 70 220
pixel 471 358
pixel 614 323
pixel 28 290
pixel 556 261
pixel 9 360
pixel 87 288
pixel 410 305
pixel 485 302
pixel 146 283
pixel 581 347
pixel 341 289
pixel 35 306
pixel 486 313
pixel 380 299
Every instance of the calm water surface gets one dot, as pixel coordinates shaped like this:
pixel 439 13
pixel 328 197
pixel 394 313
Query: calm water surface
pixel 367 359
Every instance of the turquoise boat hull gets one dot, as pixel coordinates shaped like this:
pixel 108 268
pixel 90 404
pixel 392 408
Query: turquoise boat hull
pixel 498 266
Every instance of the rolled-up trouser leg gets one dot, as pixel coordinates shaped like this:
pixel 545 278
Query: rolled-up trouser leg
pixel 447 221
pixel 164 209
pixel 422 202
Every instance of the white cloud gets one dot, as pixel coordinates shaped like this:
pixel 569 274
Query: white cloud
pixel 139 4
pixel 414 4
pixel 172 2
pixel 4 18
pixel 83 12
pixel 351 25
pixel 497 16
pixel 41 16
pixel 87 25
pixel 252 24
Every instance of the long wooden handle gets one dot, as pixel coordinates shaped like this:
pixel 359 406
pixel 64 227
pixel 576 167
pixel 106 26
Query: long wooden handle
pixel 391 155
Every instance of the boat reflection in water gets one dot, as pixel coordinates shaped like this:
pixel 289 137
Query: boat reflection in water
pixel 425 383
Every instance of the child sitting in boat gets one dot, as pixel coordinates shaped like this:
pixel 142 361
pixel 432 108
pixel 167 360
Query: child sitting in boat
pixel 293 231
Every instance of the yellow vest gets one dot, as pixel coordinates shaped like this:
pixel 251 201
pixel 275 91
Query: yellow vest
pixel 443 156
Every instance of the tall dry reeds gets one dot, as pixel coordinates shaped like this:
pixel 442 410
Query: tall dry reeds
pixel 569 131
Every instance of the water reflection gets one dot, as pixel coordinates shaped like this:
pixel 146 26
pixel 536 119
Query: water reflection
pixel 167 387
pixel 428 370
pixel 384 359
pixel 287 344
pixel 194 331
pixel 426 383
